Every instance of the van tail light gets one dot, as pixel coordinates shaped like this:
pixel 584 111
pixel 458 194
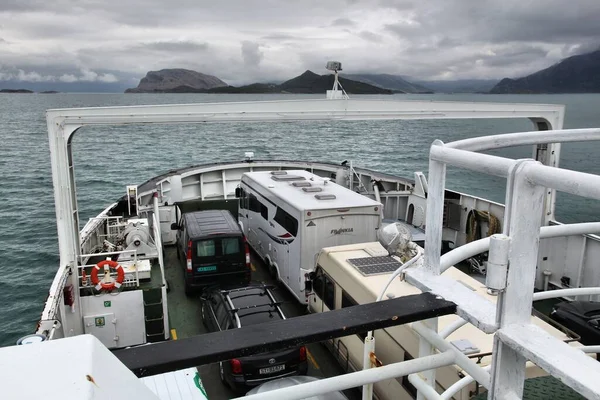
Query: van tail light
pixel 236 366
pixel 303 353
pixel 189 257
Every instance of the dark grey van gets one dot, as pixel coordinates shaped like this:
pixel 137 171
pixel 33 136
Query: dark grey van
pixel 213 250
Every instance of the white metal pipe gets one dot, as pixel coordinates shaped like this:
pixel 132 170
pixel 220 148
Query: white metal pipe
pixel 423 387
pixel 525 138
pixel 551 294
pixel 462 360
pixel 158 238
pixel 484 163
pixel 590 349
pixel 369 347
pixel 354 379
pixel 435 211
pixel 479 246
pixel 565 180
pixel 452 327
pixel 426 349
pixel 460 385
pixel 497 266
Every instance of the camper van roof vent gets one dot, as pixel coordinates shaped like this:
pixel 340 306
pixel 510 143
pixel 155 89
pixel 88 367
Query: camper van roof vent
pixel 287 177
pixel 312 189
pixel 325 196
pixel 278 172
pixel 375 265
pixel 303 184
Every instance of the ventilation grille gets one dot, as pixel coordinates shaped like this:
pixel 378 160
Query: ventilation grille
pixel 287 177
pixel 278 172
pixel 325 196
pixel 312 189
pixel 301 184
pixel 375 265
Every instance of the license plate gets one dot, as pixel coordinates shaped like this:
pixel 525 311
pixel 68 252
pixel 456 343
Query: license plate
pixel 270 370
pixel 207 269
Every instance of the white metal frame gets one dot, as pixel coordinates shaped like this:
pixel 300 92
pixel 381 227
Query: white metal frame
pixel 529 204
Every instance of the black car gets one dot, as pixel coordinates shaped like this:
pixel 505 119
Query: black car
pixel 582 317
pixel 252 305
pixel 212 249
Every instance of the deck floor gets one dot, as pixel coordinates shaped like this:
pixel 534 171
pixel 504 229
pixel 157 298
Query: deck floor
pixel 186 321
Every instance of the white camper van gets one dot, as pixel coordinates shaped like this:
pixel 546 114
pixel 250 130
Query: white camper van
pixel 289 216
pixel 355 274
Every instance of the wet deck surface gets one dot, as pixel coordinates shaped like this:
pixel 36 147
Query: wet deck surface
pixel 185 319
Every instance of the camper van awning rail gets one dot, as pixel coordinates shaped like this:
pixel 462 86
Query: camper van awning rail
pixel 278 335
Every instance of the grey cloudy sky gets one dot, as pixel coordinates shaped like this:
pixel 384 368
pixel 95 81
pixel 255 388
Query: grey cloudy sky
pixel 250 40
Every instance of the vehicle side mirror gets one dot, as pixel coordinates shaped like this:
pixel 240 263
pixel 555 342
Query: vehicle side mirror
pixel 308 283
pixel 174 226
pixel 238 192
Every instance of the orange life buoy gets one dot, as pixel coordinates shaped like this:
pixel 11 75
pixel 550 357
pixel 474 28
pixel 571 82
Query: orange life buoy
pixel 114 284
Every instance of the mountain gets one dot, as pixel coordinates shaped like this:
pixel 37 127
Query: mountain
pixel 309 82
pixel 460 86
pixel 387 81
pixel 576 74
pixel 176 81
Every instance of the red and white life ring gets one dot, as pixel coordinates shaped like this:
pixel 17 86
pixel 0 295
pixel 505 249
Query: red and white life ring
pixel 116 283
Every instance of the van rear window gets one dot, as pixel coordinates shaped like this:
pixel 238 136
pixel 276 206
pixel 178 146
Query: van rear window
pixel 205 248
pixel 230 245
pixel 218 247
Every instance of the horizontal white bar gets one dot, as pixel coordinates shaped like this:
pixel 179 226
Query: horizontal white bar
pixel 526 138
pixel 590 349
pixel 465 251
pixel 461 359
pixel 477 310
pixel 564 180
pixel 354 379
pixel 568 364
pixel 552 294
pixel 484 163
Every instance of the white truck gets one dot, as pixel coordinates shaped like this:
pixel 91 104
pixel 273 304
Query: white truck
pixel 289 216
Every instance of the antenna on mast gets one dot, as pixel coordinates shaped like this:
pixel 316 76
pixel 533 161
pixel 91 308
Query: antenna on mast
pixel 335 93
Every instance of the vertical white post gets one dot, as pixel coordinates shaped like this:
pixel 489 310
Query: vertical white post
pixel 527 205
pixel 65 202
pixel 436 183
pixel 367 390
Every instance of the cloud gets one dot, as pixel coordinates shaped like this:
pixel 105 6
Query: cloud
pixel 251 54
pixel 342 22
pixel 256 40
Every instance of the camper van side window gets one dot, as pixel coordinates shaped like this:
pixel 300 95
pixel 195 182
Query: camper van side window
pixel 253 203
pixel 324 288
pixel 264 211
pixel 288 222
pixel 348 301
pixel 244 200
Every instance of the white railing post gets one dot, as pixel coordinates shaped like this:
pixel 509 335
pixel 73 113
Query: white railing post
pixel 436 183
pixel 369 346
pixel 508 370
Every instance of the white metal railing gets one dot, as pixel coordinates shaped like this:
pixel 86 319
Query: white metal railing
pixel 527 181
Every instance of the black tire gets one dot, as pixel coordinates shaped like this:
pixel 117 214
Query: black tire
pixel 273 272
